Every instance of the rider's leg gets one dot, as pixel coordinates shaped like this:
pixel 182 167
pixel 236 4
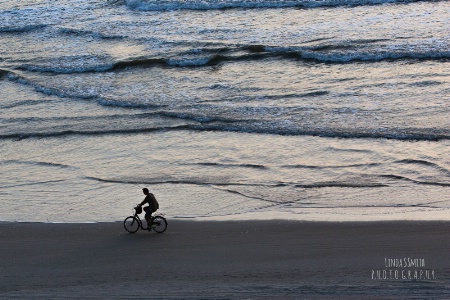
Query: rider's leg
pixel 148 218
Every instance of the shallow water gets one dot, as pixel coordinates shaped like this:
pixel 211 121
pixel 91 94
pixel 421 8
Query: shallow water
pixel 226 175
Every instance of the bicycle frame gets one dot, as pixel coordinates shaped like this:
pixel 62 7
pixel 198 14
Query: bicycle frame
pixel 141 225
pixel 136 217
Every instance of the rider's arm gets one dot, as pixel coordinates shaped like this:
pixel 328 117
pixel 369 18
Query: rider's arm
pixel 143 201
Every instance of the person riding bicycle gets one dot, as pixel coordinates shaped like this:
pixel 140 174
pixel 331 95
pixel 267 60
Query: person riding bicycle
pixel 153 206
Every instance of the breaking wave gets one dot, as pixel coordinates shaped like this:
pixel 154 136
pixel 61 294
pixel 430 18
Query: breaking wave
pixel 209 57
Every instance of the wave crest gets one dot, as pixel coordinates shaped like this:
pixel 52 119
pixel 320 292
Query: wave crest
pixel 373 56
pixel 21 29
pixel 81 32
pixel 157 5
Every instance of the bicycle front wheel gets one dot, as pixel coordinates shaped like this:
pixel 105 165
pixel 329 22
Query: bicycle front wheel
pixel 131 224
pixel 159 224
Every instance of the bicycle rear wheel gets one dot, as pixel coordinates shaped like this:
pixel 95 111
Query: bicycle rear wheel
pixel 159 224
pixel 131 224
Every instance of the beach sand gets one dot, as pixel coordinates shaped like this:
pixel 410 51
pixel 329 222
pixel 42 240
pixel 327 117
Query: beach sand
pixel 226 260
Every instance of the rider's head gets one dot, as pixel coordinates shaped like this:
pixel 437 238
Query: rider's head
pixel 145 190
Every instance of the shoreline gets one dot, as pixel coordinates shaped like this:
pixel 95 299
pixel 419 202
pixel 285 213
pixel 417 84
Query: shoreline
pixel 225 259
pixel 331 215
pixel 230 219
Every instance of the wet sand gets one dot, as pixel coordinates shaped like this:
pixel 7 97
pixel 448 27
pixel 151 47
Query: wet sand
pixel 226 260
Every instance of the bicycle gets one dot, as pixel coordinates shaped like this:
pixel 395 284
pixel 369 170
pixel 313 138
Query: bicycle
pixel 133 223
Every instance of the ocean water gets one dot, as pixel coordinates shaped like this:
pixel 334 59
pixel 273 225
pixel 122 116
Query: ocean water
pixel 225 109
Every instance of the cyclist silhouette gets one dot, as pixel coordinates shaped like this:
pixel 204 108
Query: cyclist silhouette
pixel 153 206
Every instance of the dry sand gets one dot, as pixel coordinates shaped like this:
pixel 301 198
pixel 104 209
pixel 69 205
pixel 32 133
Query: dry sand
pixel 226 260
